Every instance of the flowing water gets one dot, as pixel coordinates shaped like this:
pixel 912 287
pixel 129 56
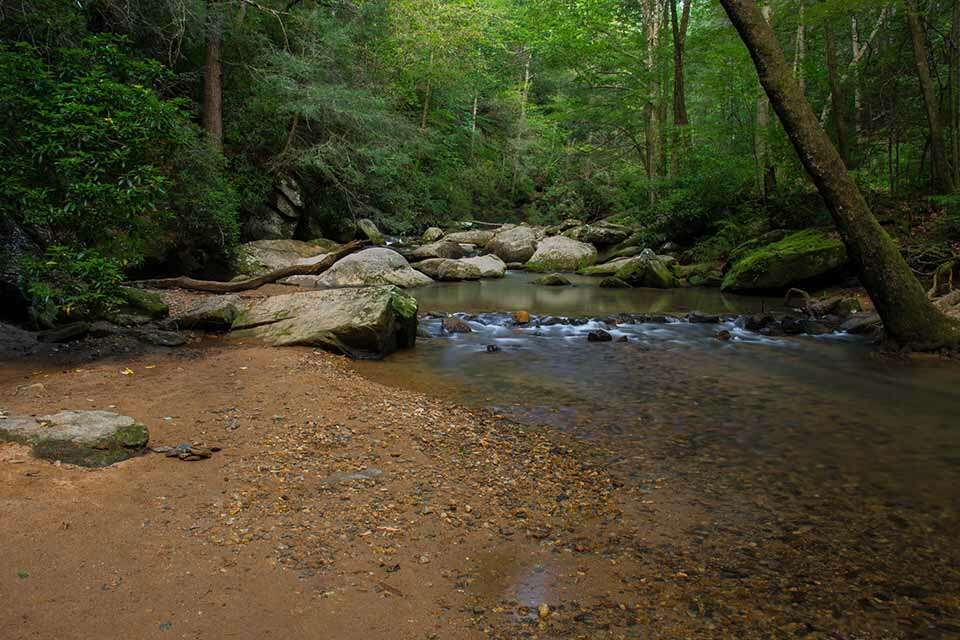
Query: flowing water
pixel 768 436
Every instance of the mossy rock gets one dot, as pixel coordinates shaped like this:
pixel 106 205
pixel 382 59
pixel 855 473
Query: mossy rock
pixel 552 280
pixel 651 273
pixel 149 303
pixel 86 438
pixel 614 283
pixel 798 257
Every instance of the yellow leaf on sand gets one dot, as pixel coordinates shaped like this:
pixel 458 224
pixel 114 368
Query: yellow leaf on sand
pixel 127 371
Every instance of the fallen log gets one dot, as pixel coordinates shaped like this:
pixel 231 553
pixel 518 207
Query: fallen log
pixel 214 286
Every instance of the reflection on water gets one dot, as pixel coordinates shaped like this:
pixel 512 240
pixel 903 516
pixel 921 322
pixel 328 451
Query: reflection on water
pixel 516 293
pixel 820 462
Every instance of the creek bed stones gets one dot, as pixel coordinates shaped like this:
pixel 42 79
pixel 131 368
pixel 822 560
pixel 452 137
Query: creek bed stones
pixel 86 438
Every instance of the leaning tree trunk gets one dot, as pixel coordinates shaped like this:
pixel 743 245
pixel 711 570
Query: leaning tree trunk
pixel 908 316
pixel 214 286
pixel 942 174
pixel 212 80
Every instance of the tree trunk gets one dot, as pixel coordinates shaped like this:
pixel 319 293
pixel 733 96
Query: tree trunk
pixel 836 97
pixel 473 123
pixel 800 49
pixel 652 29
pixel 941 171
pixel 681 121
pixel 521 120
pixel 426 95
pixel 857 90
pixel 214 286
pixel 909 317
pixel 766 176
pixel 212 76
pixel 955 90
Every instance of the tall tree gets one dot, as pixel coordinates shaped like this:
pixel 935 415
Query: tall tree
pixel 212 75
pixel 651 18
pixel 909 317
pixel 836 96
pixel 766 171
pixel 942 173
pixel 681 121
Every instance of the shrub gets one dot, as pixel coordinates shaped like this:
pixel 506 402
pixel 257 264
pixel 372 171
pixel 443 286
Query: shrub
pixel 70 284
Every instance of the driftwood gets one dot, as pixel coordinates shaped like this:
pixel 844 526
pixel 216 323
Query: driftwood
pixel 214 286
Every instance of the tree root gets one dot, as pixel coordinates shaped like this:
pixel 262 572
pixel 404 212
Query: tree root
pixel 214 286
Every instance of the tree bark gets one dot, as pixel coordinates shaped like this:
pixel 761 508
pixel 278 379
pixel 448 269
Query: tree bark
pixel 213 286
pixel 836 97
pixel 652 32
pixel 766 172
pixel 800 49
pixel 212 76
pixel 681 120
pixel 941 172
pixel 908 316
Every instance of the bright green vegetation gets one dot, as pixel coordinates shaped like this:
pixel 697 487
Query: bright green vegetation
pixel 120 157
pixel 797 257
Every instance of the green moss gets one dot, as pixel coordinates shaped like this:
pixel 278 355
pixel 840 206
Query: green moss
pixel 148 302
pixel 405 306
pixel 123 444
pixel 614 283
pixel 647 273
pixel 797 257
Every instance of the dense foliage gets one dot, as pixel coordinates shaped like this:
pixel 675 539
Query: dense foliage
pixel 422 112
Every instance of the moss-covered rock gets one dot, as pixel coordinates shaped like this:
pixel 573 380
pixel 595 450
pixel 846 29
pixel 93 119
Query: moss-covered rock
pixel 552 280
pixel 149 303
pixel 799 256
pixel 87 438
pixel 701 274
pixel 559 253
pixel 647 272
pixel 614 283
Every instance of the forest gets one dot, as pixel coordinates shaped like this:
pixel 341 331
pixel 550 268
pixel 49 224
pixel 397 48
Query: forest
pixel 153 137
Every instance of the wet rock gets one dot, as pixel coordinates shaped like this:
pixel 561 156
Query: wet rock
pixel 623 339
pixel 212 313
pixel 698 317
pixel 438 249
pixel 791 326
pixel 723 335
pixel 374 266
pixel 862 323
pixel 516 244
pixel 87 438
pixel 360 322
pixel 614 283
pixel 456 325
pixel 758 321
pixel 559 253
pixel 797 257
pixel 521 317
pixel 492 348
pixel 552 280
pixel 66 333
pixel 817 327
pixel 647 270
pixel 599 335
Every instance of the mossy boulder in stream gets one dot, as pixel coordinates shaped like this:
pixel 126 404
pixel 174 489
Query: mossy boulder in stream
pixel 361 322
pixel 559 253
pixel 647 270
pixel 799 256
pixel 87 438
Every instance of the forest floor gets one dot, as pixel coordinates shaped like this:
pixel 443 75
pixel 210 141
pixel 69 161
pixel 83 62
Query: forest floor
pixel 341 508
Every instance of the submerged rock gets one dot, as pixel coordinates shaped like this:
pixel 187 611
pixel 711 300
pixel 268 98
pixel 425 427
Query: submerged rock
pixel 88 438
pixel 614 283
pixel 559 253
pixel 516 244
pixel 375 266
pixel 799 256
pixel 359 322
pixel 454 324
pixel 599 336
pixel 552 280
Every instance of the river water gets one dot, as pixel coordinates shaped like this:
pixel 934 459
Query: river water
pixel 769 436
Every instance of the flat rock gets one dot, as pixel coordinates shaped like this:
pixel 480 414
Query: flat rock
pixel 88 438
pixel 262 256
pixel 359 321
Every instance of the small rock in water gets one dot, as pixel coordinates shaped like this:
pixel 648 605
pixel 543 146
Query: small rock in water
pixel 521 317
pixel 492 348
pixel 623 339
pixel 456 325
pixel 599 336
pixel 723 334
pixel 697 317
pixel 552 280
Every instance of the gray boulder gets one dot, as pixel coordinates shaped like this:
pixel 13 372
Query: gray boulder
pixel 369 230
pixel 88 438
pixel 559 253
pixel 448 270
pixel 211 313
pixel 262 256
pixel 479 237
pixel 439 249
pixel 432 234
pixel 490 266
pixel 358 322
pixel 374 266
pixel 607 268
pixel 516 244
pixel 601 233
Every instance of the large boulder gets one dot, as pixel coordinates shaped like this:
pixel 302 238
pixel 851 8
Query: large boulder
pixel 368 230
pixel 800 256
pixel 439 249
pixel 262 256
pixel 358 322
pixel 88 438
pixel 559 253
pixel 14 340
pixel 267 223
pixel 490 266
pixel 448 270
pixel 374 266
pixel 479 237
pixel 607 268
pixel 647 270
pixel 602 234
pixel 516 244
